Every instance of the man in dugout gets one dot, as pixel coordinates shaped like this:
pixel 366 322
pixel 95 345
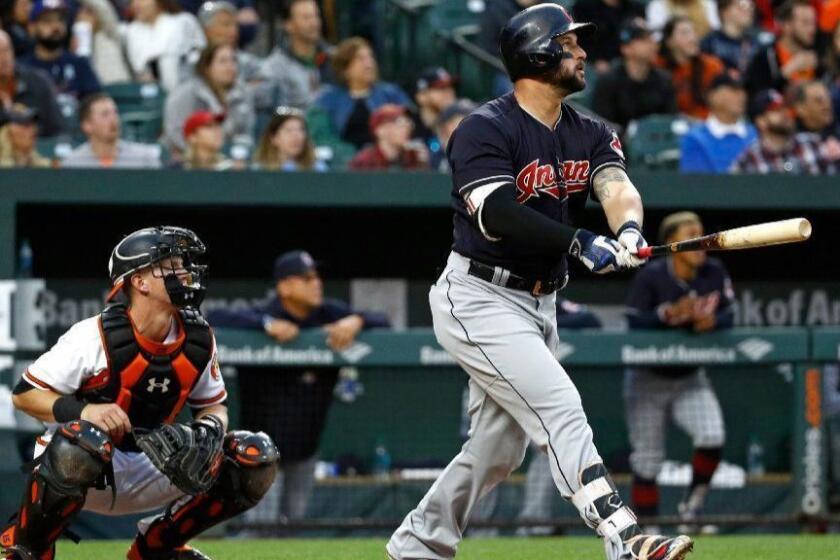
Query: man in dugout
pixel 291 403
pixel 682 291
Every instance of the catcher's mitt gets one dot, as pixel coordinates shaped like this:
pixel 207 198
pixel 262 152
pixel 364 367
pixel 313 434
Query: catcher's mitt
pixel 189 456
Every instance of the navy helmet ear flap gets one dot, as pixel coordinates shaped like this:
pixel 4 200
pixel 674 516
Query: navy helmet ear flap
pixel 527 44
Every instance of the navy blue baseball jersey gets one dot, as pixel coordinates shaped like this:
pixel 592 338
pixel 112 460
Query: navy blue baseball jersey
pixel 551 168
pixel 656 284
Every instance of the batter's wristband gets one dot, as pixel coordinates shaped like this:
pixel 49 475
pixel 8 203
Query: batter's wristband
pixel 629 224
pixel 67 408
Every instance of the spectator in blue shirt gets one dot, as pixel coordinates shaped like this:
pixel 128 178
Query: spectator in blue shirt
pixel 711 147
pixel 72 75
pixel 291 404
pixel 347 107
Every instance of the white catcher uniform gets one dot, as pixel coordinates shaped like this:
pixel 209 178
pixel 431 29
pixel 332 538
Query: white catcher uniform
pixel 79 356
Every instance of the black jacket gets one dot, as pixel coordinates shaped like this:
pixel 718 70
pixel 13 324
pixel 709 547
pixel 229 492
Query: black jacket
pixel 765 72
pixel 620 99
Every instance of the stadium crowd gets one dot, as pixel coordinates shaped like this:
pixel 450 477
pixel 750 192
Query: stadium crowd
pixel 181 84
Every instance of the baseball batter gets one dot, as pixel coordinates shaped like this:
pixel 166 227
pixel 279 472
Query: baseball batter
pixel 110 390
pixel 523 166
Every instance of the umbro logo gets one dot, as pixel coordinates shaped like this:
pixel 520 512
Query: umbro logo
pixel 163 385
pixel 755 348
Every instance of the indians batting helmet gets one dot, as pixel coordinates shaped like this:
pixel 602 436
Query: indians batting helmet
pixel 527 40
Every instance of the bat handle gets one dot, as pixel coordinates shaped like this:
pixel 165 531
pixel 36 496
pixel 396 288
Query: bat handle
pixel 645 252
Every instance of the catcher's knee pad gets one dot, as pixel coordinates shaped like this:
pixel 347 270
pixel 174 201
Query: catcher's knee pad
pixel 56 488
pixel 249 469
pixel 601 507
pixel 76 457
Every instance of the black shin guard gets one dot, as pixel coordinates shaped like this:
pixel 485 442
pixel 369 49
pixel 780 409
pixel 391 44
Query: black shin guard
pixel 56 488
pixel 601 506
pixel 247 473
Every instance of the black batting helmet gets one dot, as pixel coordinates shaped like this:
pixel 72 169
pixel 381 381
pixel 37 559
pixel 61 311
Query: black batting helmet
pixel 148 246
pixel 527 39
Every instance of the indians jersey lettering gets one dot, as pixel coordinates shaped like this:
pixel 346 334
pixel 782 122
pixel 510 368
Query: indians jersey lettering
pixel 551 169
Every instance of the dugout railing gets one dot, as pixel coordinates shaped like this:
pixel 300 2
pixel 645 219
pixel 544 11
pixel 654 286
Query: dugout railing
pixel 410 400
pixel 772 499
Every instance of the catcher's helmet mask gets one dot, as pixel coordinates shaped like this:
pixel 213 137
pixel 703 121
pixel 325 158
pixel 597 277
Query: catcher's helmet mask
pixel 528 43
pixel 173 253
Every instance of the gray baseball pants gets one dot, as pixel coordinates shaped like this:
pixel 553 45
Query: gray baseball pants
pixel 652 399
pixel 506 340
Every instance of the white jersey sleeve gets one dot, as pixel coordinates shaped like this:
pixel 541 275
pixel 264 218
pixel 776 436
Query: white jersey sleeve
pixel 210 388
pixel 77 356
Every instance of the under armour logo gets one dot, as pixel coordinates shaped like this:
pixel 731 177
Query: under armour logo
pixel 163 386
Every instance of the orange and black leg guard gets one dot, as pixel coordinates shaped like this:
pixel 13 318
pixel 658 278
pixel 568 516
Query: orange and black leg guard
pixel 247 473
pixel 56 488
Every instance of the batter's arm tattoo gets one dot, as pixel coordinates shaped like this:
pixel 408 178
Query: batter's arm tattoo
pixel 618 196
pixel 602 183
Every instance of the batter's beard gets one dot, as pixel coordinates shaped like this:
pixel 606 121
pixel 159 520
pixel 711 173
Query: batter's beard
pixel 567 83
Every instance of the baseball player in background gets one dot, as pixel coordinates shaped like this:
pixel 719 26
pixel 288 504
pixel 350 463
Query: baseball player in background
pixel 109 392
pixel 523 166
pixel 682 291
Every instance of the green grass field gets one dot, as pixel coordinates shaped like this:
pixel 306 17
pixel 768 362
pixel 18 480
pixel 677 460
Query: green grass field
pixel 805 547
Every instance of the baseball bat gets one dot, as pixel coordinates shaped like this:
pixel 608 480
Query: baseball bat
pixel 793 230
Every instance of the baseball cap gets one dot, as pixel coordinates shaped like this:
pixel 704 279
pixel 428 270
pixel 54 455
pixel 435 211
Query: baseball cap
pixel 633 29
pixel 21 114
pixel 436 77
pixel 293 263
pixel 726 79
pixel 766 100
pixel 199 119
pixel 41 6
pixel 385 114
pixel 208 10
pixel 460 108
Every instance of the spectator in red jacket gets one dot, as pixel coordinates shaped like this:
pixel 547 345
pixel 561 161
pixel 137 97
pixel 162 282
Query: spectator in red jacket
pixel 391 128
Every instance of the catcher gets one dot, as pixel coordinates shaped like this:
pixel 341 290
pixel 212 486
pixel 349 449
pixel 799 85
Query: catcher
pixel 110 391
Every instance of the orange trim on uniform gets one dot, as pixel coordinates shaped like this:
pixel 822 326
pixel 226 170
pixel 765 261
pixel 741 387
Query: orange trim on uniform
pixel 220 396
pixel 96 381
pixel 129 377
pixel 187 374
pixel 41 441
pixel 159 348
pixel 35 381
